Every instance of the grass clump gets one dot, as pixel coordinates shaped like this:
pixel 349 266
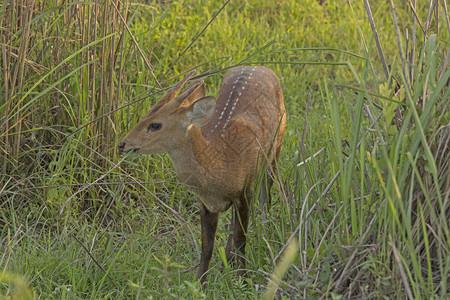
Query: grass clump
pixel 363 184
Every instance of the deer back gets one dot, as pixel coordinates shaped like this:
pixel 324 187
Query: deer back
pixel 249 118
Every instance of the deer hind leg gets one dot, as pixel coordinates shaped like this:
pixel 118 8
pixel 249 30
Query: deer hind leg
pixel 230 243
pixel 237 239
pixel 209 225
pixel 265 198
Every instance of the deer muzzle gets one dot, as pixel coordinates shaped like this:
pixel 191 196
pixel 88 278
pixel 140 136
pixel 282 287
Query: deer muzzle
pixel 123 149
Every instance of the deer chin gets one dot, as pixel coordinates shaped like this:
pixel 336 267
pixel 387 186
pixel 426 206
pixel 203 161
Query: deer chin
pixel 131 152
pixel 143 151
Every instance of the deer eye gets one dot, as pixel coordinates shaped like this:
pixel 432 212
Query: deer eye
pixel 154 127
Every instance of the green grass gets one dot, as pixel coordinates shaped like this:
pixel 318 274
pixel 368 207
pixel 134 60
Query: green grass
pixel 363 184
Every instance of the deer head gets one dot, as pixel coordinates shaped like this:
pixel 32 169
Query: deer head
pixel 165 125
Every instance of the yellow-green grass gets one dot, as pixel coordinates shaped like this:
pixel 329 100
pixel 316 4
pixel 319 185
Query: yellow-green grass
pixel 363 177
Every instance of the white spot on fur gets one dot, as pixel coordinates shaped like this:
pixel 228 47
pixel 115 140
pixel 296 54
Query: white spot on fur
pixel 233 101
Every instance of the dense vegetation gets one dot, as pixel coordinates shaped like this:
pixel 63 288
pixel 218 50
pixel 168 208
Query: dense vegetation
pixel 362 198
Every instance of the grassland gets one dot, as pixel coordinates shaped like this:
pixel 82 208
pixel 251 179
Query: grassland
pixel 363 185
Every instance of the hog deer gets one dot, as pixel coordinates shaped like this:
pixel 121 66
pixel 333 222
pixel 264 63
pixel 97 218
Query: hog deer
pixel 218 148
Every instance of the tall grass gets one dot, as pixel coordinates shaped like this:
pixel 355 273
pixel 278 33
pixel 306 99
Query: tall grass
pixel 363 182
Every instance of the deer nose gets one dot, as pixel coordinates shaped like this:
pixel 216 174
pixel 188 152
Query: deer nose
pixel 121 146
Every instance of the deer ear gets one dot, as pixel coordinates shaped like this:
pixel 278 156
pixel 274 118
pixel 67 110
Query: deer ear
pixel 191 94
pixel 202 110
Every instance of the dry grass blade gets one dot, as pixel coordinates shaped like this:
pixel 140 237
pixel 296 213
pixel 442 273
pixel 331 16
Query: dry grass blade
pixel 445 65
pixel 18 74
pixel 301 223
pixel 94 260
pixel 136 44
pixel 377 40
pixel 281 269
pixel 401 270
pixel 413 45
pixel 34 65
pixel 119 190
pixel 429 18
pixel 329 228
pixel 399 42
pixel 10 242
pixel 413 9
pixel 195 39
pixel 355 251
pixel 444 2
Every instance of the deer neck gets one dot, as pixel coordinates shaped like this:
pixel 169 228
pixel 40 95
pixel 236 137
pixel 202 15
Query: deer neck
pixel 190 159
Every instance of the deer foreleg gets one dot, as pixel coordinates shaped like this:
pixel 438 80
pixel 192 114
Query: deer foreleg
pixel 209 226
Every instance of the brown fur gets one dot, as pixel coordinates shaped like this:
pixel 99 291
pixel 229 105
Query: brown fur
pixel 220 161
